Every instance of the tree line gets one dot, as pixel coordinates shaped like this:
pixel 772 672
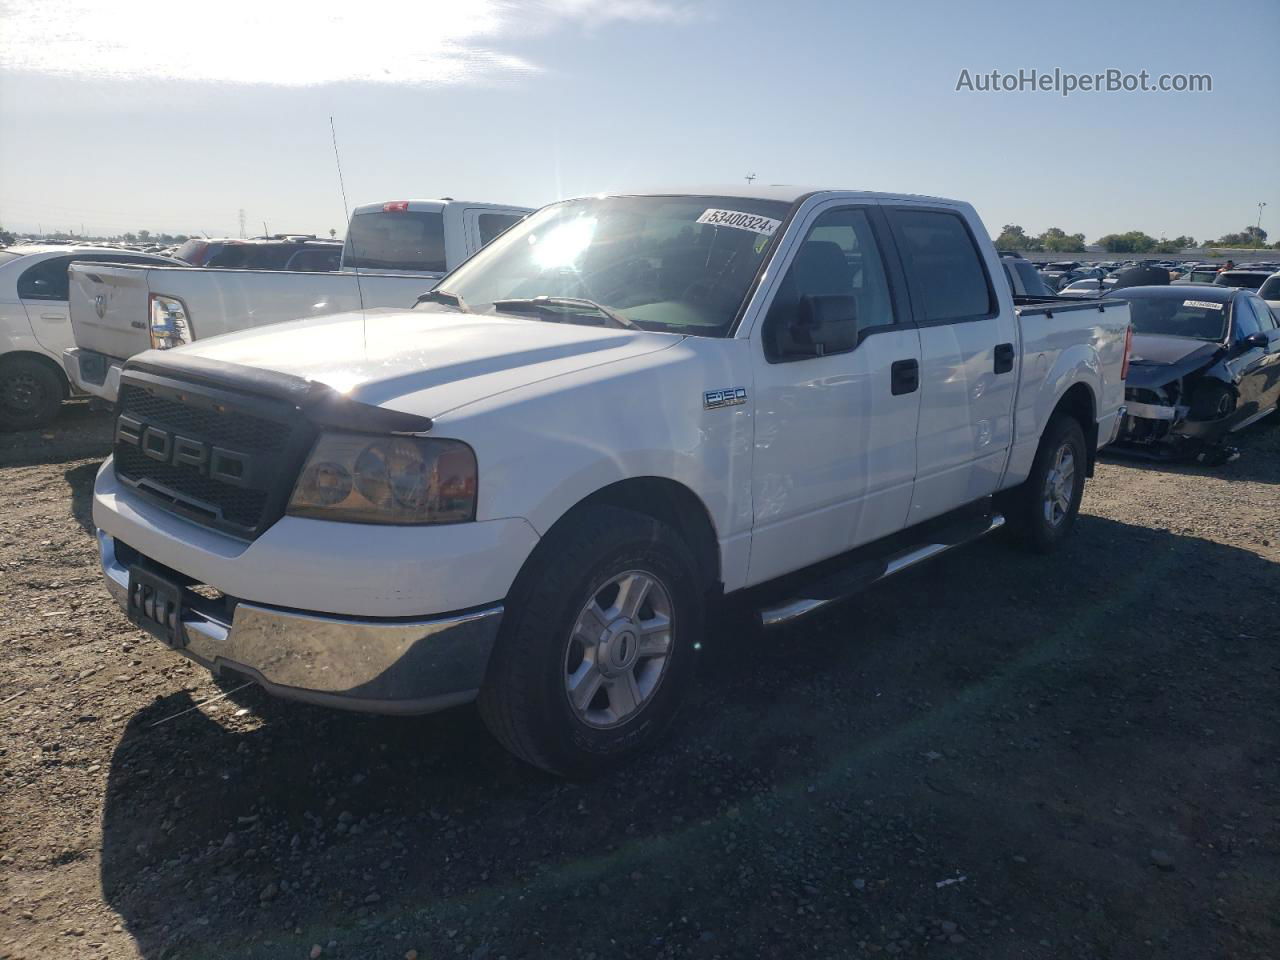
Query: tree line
pixel 1057 240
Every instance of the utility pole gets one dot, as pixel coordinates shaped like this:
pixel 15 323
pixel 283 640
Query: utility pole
pixel 750 177
pixel 1257 237
pixel 242 223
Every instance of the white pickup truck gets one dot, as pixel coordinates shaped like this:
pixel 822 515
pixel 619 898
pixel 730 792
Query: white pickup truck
pixel 533 488
pixel 394 252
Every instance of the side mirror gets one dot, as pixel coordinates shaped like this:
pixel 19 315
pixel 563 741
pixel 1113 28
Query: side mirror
pixel 828 322
pixel 1253 341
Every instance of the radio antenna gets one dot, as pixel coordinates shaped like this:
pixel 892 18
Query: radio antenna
pixel 346 211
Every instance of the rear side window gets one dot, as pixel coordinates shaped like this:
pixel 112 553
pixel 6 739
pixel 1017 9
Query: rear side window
pixel 493 224
pixel 396 240
pixel 47 280
pixel 944 268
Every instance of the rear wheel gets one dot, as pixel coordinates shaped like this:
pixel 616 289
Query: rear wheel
pixel 1042 511
pixel 596 649
pixel 31 393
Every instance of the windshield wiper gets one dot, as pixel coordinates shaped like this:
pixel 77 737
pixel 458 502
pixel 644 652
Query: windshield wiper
pixel 546 304
pixel 445 297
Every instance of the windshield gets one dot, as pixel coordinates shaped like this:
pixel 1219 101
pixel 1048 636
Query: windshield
pixel 1270 290
pixel 1167 316
pixel 678 264
pixel 396 240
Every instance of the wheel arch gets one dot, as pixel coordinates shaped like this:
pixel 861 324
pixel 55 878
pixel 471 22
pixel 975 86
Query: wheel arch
pixel 1079 403
pixel 663 499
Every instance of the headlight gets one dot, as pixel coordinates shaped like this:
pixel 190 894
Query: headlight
pixel 170 325
pixel 361 479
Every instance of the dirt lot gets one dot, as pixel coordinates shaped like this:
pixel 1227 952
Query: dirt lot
pixel 1076 756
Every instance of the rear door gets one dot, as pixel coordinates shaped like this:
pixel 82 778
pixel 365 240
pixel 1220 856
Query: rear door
pixel 968 357
pixel 834 434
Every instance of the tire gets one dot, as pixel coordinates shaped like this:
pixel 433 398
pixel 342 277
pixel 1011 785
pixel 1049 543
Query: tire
pixel 31 393
pixel 1040 512
pixel 563 628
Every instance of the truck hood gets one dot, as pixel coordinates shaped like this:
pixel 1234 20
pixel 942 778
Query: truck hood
pixel 425 361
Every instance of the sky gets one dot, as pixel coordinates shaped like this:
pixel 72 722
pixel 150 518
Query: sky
pixel 126 115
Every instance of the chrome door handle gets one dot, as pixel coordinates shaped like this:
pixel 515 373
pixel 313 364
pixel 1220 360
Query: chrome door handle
pixel 53 316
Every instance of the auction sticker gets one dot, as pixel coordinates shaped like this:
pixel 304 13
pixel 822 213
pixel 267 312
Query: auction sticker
pixel 1202 304
pixel 740 221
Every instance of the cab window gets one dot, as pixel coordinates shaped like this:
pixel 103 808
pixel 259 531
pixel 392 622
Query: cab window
pixel 493 224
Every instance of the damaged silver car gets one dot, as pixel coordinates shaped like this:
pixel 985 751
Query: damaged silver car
pixel 1205 364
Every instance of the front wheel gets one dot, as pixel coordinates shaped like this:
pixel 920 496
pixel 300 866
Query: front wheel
pixel 1042 511
pixel 596 649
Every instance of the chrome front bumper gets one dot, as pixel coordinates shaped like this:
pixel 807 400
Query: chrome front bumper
pixel 375 666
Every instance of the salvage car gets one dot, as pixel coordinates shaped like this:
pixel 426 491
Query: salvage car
pixel 1205 364
pixel 534 488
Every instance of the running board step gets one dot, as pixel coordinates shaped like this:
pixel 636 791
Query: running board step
pixel 860 574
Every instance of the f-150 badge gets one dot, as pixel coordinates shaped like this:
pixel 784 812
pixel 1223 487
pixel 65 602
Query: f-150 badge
pixel 729 397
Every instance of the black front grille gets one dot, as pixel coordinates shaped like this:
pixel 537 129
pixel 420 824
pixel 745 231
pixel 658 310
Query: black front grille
pixel 240 431
pixel 176 444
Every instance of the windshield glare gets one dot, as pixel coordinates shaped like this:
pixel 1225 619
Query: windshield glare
pixel 1176 317
pixel 677 264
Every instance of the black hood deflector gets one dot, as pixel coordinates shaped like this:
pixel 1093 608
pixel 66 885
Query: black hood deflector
pixel 320 403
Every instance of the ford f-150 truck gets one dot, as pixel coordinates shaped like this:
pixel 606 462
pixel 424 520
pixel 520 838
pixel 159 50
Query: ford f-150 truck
pixel 532 488
pixel 393 252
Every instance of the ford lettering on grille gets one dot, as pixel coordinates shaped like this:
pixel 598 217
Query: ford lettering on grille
pixel 165 446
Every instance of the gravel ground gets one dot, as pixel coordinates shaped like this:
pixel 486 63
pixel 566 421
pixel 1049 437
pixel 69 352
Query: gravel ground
pixel 1076 756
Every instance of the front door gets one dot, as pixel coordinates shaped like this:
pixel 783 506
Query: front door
pixel 834 433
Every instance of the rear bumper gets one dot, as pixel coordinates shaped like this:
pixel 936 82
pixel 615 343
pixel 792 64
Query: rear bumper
pixel 398 666
pixel 93 373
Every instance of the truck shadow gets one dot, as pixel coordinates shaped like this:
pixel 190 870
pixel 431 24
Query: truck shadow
pixel 256 823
